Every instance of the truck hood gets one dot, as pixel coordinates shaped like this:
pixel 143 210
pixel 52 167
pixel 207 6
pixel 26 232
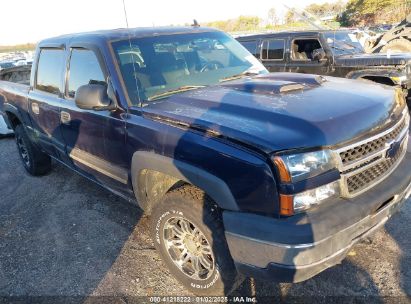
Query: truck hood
pixel 282 111
pixel 378 59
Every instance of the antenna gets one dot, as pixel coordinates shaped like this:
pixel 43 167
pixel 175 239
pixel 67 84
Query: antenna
pixel 131 54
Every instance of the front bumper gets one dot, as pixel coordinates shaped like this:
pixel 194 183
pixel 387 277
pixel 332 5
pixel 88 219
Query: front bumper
pixel 297 248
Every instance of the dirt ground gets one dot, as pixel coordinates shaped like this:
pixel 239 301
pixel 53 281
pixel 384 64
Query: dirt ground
pixel 63 236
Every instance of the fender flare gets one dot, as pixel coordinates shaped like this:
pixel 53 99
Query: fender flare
pixel 210 184
pixel 13 110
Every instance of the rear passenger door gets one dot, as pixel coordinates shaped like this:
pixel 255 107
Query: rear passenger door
pixel 95 140
pixel 272 54
pixel 45 98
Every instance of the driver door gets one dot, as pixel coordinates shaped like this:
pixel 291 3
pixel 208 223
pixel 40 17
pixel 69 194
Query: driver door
pixel 301 60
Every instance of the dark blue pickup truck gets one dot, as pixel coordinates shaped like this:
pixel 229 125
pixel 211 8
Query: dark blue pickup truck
pixel 243 172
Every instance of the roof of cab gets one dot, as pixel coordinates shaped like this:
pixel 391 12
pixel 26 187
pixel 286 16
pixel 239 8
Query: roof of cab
pixel 122 33
pixel 286 34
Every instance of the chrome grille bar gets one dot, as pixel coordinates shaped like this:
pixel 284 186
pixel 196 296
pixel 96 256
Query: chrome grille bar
pixel 368 163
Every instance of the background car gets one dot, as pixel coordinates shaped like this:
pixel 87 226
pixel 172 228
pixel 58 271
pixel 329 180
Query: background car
pixel 6 65
pixel 3 128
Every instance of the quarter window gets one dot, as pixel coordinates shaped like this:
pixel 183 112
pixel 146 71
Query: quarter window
pixel 49 71
pixel 251 46
pixel 273 49
pixel 84 69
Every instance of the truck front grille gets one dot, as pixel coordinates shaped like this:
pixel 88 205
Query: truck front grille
pixel 351 155
pixel 367 163
pixel 371 175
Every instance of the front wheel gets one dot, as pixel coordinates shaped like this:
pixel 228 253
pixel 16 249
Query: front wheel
pixel 34 160
pixel 188 233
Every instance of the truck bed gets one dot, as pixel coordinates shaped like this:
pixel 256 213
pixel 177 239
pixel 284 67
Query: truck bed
pixel 20 74
pixel 15 93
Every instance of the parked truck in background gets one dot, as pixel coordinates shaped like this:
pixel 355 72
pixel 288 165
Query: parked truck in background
pixel 325 52
pixel 396 39
pixel 242 172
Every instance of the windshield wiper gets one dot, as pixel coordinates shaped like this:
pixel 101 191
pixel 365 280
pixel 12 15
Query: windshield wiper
pixel 175 91
pixel 237 76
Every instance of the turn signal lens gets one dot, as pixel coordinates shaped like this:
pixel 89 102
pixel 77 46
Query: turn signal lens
pixel 286 205
pixel 282 170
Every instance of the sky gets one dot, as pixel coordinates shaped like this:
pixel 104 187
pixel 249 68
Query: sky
pixel 32 20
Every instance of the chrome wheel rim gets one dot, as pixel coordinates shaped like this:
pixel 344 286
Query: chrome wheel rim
pixel 188 248
pixel 23 151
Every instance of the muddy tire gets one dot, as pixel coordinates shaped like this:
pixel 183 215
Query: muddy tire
pixel 400 45
pixel 188 232
pixel 34 160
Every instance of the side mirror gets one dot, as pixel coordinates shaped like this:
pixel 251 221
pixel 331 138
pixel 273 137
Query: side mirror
pixel 319 55
pixel 93 97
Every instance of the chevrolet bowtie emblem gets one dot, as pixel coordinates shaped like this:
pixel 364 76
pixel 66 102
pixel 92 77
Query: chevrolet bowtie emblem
pixel 393 149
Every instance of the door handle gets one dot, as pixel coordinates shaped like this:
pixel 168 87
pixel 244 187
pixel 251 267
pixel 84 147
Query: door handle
pixel 35 108
pixel 65 117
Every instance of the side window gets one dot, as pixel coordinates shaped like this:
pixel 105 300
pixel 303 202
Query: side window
pixel 49 70
pixel 302 49
pixel 251 46
pixel 273 49
pixel 84 69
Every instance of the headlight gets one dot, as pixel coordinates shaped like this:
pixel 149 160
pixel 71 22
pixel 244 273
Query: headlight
pixel 310 198
pixel 297 167
pixel 294 168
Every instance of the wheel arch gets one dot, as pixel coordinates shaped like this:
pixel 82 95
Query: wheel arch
pixel 153 175
pixel 379 79
pixel 374 77
pixel 13 116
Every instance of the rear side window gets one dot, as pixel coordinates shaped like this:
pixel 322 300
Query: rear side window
pixel 84 69
pixel 49 71
pixel 273 49
pixel 251 46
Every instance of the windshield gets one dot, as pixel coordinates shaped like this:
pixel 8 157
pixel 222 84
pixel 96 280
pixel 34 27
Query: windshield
pixel 155 65
pixel 343 43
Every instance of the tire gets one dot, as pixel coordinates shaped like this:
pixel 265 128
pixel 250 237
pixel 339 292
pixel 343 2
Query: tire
pixel 34 160
pixel 193 223
pixel 400 45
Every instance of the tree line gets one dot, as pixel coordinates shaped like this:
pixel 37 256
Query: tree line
pixel 342 13
pixel 370 12
pixel 19 47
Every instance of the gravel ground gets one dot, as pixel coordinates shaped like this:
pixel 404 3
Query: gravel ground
pixel 62 235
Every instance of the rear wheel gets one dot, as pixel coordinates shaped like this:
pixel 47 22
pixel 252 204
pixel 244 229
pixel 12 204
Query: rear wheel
pixel 400 45
pixel 188 233
pixel 34 160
